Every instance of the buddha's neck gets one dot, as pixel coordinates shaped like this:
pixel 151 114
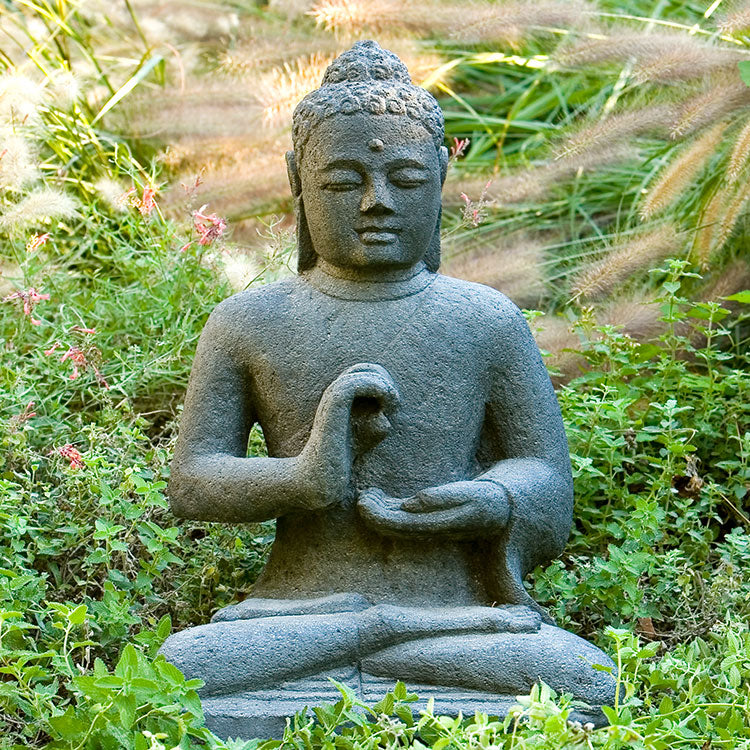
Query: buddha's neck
pixel 368 284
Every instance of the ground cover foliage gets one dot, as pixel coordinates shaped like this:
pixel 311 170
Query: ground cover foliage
pixel 104 298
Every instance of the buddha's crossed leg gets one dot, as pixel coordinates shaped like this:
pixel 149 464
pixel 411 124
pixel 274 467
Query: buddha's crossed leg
pixel 502 650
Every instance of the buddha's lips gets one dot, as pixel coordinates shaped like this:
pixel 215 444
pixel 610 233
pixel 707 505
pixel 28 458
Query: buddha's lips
pixel 377 235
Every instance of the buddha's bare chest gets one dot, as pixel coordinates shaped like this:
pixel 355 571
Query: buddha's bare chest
pixel 440 370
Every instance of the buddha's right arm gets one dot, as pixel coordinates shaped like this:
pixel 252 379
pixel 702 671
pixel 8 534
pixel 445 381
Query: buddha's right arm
pixel 211 477
pixel 213 480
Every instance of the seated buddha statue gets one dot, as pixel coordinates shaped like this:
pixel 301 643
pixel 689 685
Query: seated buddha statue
pixel 417 462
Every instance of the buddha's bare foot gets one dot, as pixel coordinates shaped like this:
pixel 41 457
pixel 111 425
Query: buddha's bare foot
pixel 385 624
pixel 325 605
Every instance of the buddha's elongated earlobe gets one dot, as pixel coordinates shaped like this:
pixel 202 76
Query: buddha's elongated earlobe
pixel 432 256
pixel 293 173
pixel 443 158
pixel 306 256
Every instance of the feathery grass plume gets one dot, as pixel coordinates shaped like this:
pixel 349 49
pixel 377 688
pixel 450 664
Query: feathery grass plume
pixel 717 100
pixel 63 87
pixel 512 265
pixel 638 315
pixel 39 206
pixel 731 215
pixel 679 173
pixel 739 156
pixel 279 90
pixel 17 164
pixel 112 193
pixel 467 22
pixel 239 268
pixel 621 125
pixel 734 22
pixel 625 259
pixel 709 223
pixel 264 49
pixel 208 109
pixel 19 100
pixel 533 183
pixel 683 65
pixel 649 48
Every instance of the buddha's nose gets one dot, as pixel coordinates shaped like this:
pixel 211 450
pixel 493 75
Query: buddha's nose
pixel 377 197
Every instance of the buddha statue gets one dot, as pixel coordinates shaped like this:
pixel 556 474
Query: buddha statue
pixel 417 462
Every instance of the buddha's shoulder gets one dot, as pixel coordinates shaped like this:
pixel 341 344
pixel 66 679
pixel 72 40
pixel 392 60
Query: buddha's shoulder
pixel 253 306
pixel 477 304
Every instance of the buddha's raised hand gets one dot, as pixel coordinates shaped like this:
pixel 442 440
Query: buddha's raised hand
pixel 352 416
pixel 463 510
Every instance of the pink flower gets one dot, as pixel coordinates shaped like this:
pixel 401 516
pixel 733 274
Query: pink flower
pixel 25 415
pixel 209 226
pixel 30 298
pixel 71 454
pixel 459 148
pixel 147 202
pixel 76 355
pixel 79 329
pixel 475 212
pixel 36 241
pixel 190 190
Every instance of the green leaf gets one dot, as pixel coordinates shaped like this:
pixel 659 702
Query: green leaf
pixel 744 66
pixel 743 297
pixel 78 615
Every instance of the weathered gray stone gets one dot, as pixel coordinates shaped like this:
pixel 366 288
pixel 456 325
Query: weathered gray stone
pixel 418 467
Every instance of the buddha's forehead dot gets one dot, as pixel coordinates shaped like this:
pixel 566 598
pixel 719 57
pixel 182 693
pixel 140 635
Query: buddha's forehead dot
pixel 376 144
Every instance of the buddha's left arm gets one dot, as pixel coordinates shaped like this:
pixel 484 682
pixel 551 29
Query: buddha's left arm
pixel 527 451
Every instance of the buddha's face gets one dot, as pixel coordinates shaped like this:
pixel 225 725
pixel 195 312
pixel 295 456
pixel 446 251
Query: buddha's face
pixel 371 190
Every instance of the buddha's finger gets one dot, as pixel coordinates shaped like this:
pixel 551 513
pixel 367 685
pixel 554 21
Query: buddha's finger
pixel 435 498
pixel 367 385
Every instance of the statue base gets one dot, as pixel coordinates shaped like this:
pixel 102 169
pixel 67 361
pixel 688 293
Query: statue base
pixel 263 713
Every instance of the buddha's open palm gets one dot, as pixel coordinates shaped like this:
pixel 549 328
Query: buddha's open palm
pixel 463 510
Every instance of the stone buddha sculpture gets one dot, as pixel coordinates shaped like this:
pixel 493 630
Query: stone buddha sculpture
pixel 417 463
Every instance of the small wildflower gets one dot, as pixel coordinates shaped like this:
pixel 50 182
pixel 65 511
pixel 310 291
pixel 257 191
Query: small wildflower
pixel 30 298
pixel 27 414
pixel 475 212
pixel 36 241
pixel 145 204
pixel 76 355
pixel 459 148
pixel 209 226
pixel 190 190
pixel 81 360
pixel 80 329
pixel 49 352
pixel 147 201
pixel 72 454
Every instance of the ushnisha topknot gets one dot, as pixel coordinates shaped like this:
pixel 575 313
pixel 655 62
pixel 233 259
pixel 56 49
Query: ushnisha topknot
pixel 368 79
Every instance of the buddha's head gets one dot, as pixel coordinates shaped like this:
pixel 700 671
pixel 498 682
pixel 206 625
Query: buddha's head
pixel 368 166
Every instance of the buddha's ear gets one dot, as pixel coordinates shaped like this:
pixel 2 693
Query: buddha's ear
pixel 291 169
pixel 306 255
pixel 443 157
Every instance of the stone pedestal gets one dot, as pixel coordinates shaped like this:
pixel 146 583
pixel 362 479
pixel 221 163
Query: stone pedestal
pixel 263 713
